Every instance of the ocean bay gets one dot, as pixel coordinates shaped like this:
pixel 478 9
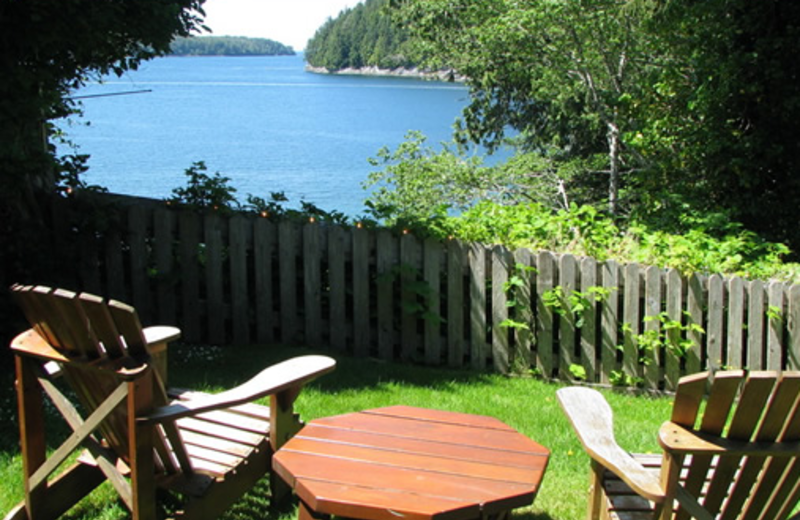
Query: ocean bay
pixel 262 121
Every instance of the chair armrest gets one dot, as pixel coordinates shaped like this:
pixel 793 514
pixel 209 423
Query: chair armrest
pixel 677 439
pixel 287 375
pixel 592 419
pixel 160 334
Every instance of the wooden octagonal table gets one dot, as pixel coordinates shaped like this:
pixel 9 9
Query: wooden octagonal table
pixel 411 463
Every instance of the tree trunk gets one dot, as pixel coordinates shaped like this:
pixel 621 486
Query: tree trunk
pixel 614 169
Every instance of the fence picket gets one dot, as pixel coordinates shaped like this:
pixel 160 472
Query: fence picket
pixel 312 283
pixel 755 325
pixel 287 269
pixel 589 329
pixel 337 299
pixel 477 308
pixel 567 353
pixel 215 292
pixel 264 238
pixel 695 303
pixel 410 278
pixel 137 241
pixel 432 266
pixel 188 249
pixel 776 316
pixel 239 232
pixel 455 304
pixel 793 329
pixel 631 317
pixel 714 327
pixel 361 307
pixel 672 358
pixel 386 262
pixel 500 331
pixel 523 311
pixel 609 315
pixel 736 323
pixel 545 329
pixel 164 224
pixel 652 325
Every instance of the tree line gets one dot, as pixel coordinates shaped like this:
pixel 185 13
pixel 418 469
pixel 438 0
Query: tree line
pixel 363 36
pixel 228 46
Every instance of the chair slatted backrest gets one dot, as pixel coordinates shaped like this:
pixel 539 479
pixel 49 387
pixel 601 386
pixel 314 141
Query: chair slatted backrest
pixel 742 406
pixel 98 339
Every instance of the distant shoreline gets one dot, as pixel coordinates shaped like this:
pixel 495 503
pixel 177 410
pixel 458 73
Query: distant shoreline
pixel 400 72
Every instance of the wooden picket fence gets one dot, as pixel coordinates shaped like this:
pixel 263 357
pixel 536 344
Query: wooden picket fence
pixel 242 279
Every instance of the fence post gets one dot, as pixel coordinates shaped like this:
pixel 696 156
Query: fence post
pixel 312 284
pixel 755 325
pixel 714 326
pixel 337 302
pixel 238 232
pixel 609 315
pixel 545 327
pixel 652 325
pixel 386 261
pixel 215 293
pixel 632 320
pixel 567 329
pixel 432 267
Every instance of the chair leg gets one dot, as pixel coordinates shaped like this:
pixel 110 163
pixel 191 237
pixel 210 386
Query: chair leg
pixel 596 493
pixel 31 432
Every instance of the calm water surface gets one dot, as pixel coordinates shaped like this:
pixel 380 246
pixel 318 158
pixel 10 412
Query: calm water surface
pixel 263 121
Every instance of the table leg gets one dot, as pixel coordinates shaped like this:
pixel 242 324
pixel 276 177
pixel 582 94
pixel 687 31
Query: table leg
pixel 306 513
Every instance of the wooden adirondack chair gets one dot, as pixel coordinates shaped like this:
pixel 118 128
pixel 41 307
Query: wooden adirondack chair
pixel 210 449
pixel 730 451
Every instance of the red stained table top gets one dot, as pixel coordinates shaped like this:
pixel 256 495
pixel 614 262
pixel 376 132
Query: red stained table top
pixel 413 463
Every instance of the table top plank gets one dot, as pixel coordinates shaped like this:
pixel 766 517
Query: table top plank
pixel 427 430
pixel 307 466
pixel 424 447
pixel 381 504
pixel 433 463
pixel 441 416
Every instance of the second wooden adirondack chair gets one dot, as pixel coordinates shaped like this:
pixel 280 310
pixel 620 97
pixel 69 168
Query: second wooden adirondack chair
pixel 210 449
pixel 731 451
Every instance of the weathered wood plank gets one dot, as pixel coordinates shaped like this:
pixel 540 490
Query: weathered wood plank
pixel 477 306
pixel 361 289
pixel 736 323
pixel 138 218
pixel 432 268
pixel 522 358
pixel 775 326
pixel 215 303
pixel 568 348
pixel 793 329
pixel 387 261
pixel 455 303
pixel 116 287
pixel 410 266
pixel 288 239
pixel 500 332
pixel 755 325
pixel 609 320
pixel 189 225
pixel 312 284
pixel 264 238
pixel 338 239
pixel 695 303
pixel 715 323
pixel 588 329
pixel 164 223
pixel 672 359
pixel 652 325
pixel 545 324
pixel 632 321
pixel 239 231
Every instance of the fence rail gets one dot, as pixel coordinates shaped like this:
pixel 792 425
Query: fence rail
pixel 242 279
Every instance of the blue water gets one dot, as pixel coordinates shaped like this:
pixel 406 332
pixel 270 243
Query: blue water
pixel 262 121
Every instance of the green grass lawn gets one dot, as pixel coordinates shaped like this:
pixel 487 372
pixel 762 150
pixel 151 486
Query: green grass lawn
pixel 529 405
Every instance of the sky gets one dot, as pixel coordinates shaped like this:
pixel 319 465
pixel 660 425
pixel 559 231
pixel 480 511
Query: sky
pixel 291 22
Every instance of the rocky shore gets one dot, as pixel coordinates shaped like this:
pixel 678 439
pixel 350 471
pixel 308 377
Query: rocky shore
pixel 440 75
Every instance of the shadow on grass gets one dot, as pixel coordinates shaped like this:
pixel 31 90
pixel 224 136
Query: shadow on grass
pixel 227 366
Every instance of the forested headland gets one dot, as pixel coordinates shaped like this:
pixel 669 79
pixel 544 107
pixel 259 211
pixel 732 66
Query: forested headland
pixel 228 46
pixel 361 37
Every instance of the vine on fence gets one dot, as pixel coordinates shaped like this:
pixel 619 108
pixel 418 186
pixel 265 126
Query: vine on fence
pixel 576 303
